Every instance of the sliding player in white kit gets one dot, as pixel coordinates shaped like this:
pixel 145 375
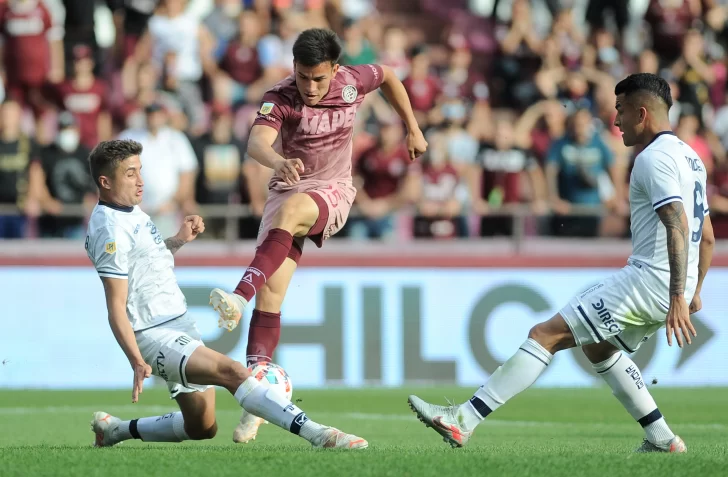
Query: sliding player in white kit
pixel 672 240
pixel 148 316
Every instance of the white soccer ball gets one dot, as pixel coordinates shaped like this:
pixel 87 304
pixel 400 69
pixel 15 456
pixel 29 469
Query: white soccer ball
pixel 271 374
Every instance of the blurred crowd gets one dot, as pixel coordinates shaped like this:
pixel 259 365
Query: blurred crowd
pixel 515 98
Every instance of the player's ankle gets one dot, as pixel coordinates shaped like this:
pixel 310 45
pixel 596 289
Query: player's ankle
pixel 311 430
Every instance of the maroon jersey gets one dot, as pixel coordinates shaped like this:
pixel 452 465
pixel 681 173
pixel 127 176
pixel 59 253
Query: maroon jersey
pixel 241 63
pixel 422 92
pixel 502 171
pixel 383 172
pixel 670 21
pixel 321 136
pixel 26 31
pixel 86 106
pixel 439 184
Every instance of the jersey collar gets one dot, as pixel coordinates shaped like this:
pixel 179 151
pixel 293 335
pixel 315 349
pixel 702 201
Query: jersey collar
pixel 662 133
pixel 121 208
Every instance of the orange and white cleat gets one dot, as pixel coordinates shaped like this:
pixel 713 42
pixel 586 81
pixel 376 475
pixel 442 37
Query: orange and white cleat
pixel 332 438
pixel 443 419
pixel 105 426
pixel 229 306
pixel 675 446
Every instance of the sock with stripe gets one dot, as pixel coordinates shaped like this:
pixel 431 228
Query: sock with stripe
pixel 272 406
pixel 167 428
pixel 514 376
pixel 625 379
pixel 268 258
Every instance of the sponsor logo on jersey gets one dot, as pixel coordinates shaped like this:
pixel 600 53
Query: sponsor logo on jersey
pixel 266 108
pixel 605 316
pixel 110 246
pixel 349 93
pixel 327 122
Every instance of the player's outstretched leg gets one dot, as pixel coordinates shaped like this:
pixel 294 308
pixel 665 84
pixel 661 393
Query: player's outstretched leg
pixel 208 367
pixel 194 421
pixel 625 379
pixel 294 217
pixel 457 423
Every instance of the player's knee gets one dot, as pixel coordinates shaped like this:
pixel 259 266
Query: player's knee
pixel 232 373
pixel 554 335
pixel 201 433
pixel 268 299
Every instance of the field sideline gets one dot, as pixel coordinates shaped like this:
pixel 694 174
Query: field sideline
pixel 543 432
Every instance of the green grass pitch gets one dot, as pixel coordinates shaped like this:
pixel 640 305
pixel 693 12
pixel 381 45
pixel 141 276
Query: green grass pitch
pixel 543 432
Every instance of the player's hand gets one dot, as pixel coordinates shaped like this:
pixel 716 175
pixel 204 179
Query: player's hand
pixel 141 372
pixel 289 170
pixel 416 144
pixel 696 305
pixel 192 226
pixel 678 322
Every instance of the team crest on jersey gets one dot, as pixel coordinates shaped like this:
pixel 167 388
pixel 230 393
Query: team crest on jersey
pixel 349 93
pixel 110 246
pixel 266 108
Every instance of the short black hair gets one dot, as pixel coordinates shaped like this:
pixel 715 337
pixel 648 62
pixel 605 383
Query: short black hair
pixel 107 156
pixel 645 83
pixel 315 46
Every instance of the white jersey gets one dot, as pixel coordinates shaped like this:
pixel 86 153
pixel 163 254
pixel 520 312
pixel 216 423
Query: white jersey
pixel 667 170
pixel 123 243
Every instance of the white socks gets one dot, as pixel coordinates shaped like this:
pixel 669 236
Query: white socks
pixel 514 376
pixel 167 428
pixel 272 406
pixel 625 379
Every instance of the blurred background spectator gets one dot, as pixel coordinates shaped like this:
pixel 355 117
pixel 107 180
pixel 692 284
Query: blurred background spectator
pixel 515 96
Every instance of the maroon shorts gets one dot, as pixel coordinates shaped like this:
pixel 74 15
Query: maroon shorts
pixel 334 199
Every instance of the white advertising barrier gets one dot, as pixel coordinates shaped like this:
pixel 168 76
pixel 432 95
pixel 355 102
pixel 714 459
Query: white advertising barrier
pixel 344 326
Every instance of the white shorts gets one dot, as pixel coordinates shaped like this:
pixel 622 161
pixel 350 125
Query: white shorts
pixel 167 348
pixel 621 309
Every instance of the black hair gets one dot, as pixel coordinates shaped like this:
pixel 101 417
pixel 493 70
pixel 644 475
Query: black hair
pixel 645 83
pixel 107 156
pixel 315 46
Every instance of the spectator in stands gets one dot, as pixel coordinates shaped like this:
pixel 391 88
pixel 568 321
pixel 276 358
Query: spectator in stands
pixel 441 203
pixel 134 19
pixel 32 52
pixel 143 91
pixel 18 175
pixel 460 78
pixel 461 146
pixel 183 48
pixel 578 173
pixel 695 75
pixel 80 29
pixel 385 183
pixel 66 180
pixel 669 21
pixel 358 50
pixel 688 129
pixel 222 23
pixel 241 72
pixel 225 176
pixel 169 171
pixel 497 178
pixel 276 48
pixel 422 85
pixel 598 11
pixel 394 52
pixel 87 98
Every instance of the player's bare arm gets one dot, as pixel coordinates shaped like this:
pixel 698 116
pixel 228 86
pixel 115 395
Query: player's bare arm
pixel 192 226
pixel 707 243
pixel 673 217
pixel 117 291
pixel 396 94
pixel 260 148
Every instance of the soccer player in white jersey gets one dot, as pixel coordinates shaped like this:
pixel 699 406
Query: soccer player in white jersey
pixel 148 316
pixel 672 240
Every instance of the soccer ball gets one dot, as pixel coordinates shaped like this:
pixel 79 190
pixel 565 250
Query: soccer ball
pixel 273 375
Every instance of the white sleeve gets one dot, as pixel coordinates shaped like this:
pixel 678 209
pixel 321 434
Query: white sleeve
pixel 186 158
pixel 109 252
pixel 660 178
pixel 706 209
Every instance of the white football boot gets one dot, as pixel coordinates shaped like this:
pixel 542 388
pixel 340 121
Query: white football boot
pixel 676 446
pixel 105 426
pixel 332 438
pixel 229 306
pixel 443 419
pixel 247 428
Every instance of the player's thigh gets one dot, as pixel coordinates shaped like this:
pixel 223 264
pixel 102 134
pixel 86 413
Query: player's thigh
pixel 297 214
pixel 198 410
pixel 208 367
pixel 271 295
pixel 334 202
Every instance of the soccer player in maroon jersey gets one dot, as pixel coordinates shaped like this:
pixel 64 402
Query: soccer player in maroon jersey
pixel 311 192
